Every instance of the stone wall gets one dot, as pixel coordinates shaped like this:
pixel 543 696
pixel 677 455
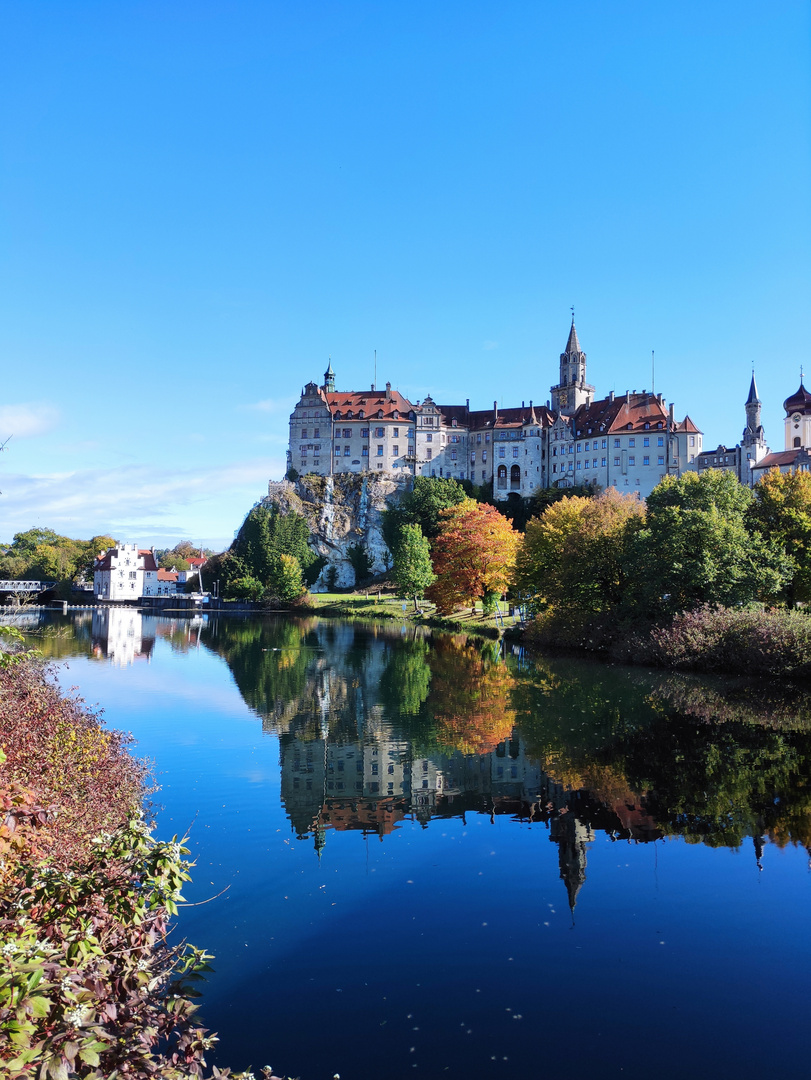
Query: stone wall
pixel 342 511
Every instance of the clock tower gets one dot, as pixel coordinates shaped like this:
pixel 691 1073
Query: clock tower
pixel 572 391
pixel 798 419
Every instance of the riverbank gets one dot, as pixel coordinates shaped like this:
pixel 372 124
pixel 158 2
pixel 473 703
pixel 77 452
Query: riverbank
pixel 749 641
pixel 89 984
pixel 366 606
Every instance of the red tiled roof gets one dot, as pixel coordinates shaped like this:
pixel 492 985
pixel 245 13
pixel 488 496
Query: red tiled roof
pixel 780 457
pixel 371 401
pixel 167 575
pixel 196 562
pixel 627 413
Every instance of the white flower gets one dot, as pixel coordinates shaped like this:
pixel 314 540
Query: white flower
pixel 66 986
pixel 8 949
pixel 143 965
pixel 76 1016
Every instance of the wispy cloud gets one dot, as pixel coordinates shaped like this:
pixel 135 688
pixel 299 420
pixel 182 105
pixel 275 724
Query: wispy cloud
pixel 25 420
pixel 136 498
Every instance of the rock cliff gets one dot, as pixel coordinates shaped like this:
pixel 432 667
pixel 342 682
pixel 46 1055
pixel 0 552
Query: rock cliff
pixel 343 512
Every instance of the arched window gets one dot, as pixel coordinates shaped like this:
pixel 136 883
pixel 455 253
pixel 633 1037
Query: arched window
pixel 515 478
pixel 502 476
pixel 797 442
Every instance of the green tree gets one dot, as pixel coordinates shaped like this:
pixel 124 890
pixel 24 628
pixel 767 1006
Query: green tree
pixel 781 510
pixel 696 548
pixel 422 506
pixel 289 586
pixel 265 536
pixel 412 570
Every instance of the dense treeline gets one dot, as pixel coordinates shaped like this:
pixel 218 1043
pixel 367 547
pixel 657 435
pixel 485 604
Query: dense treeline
pixel 44 555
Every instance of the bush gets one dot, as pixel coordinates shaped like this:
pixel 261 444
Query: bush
pixel 743 641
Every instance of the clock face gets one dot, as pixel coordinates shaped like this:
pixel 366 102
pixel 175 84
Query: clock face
pixel 564 398
pixel 796 418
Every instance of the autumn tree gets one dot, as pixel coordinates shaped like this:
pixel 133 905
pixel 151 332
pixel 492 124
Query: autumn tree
pixel 473 556
pixel 696 547
pixel 412 570
pixel 781 510
pixel 422 506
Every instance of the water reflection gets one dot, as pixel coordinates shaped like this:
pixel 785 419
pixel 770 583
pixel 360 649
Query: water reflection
pixel 381 724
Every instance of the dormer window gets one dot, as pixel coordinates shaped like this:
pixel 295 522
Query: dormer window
pixel 338 415
pixel 396 415
pixel 453 422
pixel 361 414
pixel 379 414
pixel 349 415
pixel 647 425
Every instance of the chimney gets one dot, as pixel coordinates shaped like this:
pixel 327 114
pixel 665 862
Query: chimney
pixel 522 405
pixel 495 410
pixel 548 403
pixel 373 387
pixel 610 395
pixel 467 404
pixel 627 397
pixel 388 391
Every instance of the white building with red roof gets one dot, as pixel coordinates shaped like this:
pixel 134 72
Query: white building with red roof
pixel 126 572
pixel 628 442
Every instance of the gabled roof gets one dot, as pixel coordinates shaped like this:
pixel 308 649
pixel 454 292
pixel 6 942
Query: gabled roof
pixel 194 561
pixel 167 575
pixel 783 457
pixel 105 560
pixel 371 401
pixel 629 413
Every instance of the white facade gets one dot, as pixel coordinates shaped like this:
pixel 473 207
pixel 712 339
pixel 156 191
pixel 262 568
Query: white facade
pixel 126 572
pixel 628 442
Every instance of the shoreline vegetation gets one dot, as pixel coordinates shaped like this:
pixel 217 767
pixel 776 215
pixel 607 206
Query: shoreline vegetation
pixel 92 984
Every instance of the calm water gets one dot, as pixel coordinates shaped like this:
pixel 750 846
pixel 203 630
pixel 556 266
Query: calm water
pixel 442 861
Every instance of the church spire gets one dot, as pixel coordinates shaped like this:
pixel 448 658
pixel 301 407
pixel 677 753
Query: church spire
pixel 753 394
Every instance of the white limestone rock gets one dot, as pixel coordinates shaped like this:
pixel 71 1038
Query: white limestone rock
pixel 342 511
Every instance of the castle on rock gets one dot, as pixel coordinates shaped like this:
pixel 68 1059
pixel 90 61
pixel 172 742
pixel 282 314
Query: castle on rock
pixel 628 442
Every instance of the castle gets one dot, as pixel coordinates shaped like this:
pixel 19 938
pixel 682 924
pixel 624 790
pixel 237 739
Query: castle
pixel 628 442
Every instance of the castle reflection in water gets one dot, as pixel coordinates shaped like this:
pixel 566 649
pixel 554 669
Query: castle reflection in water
pixel 381 725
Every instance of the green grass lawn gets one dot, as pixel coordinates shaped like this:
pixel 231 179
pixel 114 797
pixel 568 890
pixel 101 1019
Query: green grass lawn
pixel 388 606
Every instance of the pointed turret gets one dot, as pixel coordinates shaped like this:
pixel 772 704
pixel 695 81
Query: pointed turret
pixel 753 395
pixel 329 379
pixel 572 345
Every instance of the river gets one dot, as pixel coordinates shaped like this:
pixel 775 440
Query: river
pixel 426 855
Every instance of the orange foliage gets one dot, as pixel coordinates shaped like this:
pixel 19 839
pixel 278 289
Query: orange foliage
pixel 473 556
pixel 471 698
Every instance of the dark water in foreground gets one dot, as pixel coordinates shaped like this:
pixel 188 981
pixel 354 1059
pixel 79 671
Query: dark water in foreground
pixel 445 862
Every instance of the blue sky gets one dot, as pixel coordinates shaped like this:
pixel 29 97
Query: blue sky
pixel 202 202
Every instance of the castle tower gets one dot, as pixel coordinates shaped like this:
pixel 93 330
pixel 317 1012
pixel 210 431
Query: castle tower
pixel 798 419
pixel 572 391
pixel 753 443
pixel 329 379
